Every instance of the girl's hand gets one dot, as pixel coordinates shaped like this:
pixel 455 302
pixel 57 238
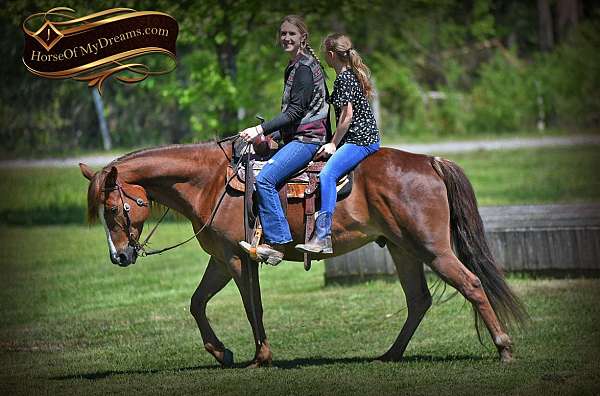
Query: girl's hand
pixel 327 150
pixel 250 133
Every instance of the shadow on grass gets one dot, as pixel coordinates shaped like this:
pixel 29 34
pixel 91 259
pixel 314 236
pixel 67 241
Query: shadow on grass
pixel 280 364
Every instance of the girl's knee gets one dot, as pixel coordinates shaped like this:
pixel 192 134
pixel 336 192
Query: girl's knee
pixel 263 184
pixel 326 175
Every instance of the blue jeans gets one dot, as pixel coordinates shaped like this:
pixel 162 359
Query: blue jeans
pixel 288 160
pixel 341 162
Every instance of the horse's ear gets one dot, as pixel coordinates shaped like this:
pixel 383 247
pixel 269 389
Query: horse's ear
pixel 87 172
pixel 111 178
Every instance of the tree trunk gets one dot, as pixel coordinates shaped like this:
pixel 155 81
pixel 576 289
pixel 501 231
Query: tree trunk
pixel 227 54
pixel 568 13
pixel 376 103
pixel 546 32
pixel 101 119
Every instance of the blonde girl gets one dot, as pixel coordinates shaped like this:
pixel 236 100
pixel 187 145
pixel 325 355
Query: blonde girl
pixel 356 135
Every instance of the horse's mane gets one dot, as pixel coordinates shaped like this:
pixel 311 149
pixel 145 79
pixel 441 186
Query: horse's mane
pixel 94 196
pixel 160 149
pixel 95 193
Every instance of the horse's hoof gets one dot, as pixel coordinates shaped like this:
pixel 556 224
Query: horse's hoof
pixel 227 359
pixel 257 364
pixel 506 357
pixel 253 365
pixel 504 345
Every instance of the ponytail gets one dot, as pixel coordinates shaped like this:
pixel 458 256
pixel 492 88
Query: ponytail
pixel 362 72
pixel 342 46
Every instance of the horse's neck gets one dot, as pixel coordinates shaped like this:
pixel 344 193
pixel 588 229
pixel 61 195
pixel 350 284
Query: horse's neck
pixel 182 178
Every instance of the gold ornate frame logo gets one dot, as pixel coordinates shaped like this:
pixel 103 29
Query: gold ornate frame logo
pixel 92 48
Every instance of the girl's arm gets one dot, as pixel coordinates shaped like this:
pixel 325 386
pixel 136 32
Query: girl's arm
pixel 343 124
pixel 340 130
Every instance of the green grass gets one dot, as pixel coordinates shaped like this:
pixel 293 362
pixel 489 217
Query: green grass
pixel 69 153
pixel 546 175
pixel 533 176
pixel 74 323
pixel 42 196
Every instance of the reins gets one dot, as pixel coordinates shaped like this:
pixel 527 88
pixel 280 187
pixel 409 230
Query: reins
pixel 141 247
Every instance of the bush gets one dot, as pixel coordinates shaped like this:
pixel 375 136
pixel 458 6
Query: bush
pixel 571 78
pixel 402 107
pixel 504 99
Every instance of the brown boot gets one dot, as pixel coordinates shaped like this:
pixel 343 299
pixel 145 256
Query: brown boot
pixel 263 253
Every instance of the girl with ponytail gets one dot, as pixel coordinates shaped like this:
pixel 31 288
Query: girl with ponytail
pixel 303 126
pixel 356 135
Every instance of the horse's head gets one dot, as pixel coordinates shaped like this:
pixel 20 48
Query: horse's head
pixel 122 209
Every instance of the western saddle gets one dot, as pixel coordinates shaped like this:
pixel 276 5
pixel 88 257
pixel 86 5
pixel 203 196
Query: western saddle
pixel 302 186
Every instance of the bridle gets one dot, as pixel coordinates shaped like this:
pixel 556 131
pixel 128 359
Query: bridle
pixel 126 208
pixel 140 248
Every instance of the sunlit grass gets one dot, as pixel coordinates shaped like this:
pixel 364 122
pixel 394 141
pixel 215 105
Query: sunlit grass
pixel 74 323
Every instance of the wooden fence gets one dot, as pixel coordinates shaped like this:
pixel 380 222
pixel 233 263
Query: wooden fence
pixel 538 238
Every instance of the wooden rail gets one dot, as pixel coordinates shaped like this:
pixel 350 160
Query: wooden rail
pixel 532 238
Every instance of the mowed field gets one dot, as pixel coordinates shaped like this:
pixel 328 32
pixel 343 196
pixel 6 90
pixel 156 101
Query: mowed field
pixel 72 323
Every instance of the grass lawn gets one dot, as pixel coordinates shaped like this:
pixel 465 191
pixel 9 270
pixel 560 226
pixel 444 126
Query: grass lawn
pixel 545 175
pixel 74 323
pixel 533 176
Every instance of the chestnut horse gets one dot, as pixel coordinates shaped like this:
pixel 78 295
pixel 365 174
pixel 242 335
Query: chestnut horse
pixel 421 206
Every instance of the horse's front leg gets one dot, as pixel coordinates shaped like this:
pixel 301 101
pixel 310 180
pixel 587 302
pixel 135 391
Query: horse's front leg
pixel 215 278
pixel 245 275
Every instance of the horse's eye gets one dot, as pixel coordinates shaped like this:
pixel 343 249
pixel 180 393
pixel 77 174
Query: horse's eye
pixel 114 210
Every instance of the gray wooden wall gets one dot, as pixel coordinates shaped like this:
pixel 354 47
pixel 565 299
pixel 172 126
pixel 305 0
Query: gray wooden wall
pixel 536 238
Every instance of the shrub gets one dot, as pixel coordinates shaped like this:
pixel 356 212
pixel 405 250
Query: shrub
pixel 504 98
pixel 571 78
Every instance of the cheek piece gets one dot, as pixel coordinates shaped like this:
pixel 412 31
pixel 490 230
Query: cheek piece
pixel 126 209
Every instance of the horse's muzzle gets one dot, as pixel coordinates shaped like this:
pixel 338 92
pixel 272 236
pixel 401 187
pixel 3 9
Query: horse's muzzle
pixel 126 257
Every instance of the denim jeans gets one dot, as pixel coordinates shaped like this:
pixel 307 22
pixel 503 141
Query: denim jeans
pixel 341 162
pixel 288 160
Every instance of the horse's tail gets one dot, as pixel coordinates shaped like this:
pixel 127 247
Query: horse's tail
pixel 471 246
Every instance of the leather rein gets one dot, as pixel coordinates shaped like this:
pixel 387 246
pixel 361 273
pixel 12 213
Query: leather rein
pixel 141 249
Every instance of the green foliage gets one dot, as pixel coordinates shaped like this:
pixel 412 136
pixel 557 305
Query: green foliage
pixel 229 69
pixel 73 323
pixel 570 78
pixel 401 97
pixel 504 98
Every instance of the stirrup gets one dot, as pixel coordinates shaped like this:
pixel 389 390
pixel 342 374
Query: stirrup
pixel 262 253
pixel 251 250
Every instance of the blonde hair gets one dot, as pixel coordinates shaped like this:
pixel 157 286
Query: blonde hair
pixel 298 21
pixel 342 46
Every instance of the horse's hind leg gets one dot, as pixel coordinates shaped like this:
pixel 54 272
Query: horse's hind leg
pixel 450 268
pixel 418 299
pixel 215 278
